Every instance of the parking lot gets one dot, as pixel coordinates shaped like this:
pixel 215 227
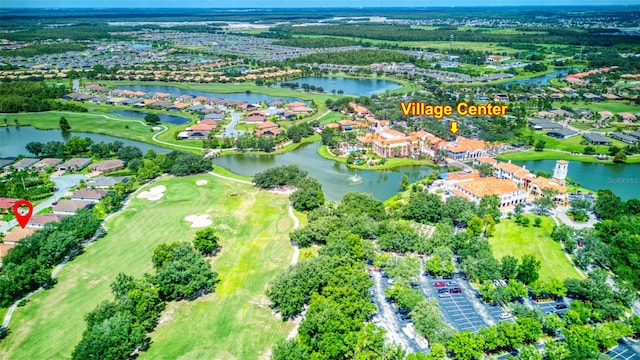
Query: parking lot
pixel 548 307
pixel 461 313
pixel 464 310
pixel 623 352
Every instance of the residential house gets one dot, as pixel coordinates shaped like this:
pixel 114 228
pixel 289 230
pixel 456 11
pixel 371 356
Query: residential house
pixel 6 204
pixel 605 115
pixel 107 166
pixel 25 163
pixel 596 138
pixel 267 125
pixel 256 117
pixel 105 182
pixel 46 163
pixel 74 164
pixel 358 110
pixel 93 195
pixel 623 137
pixel 562 133
pixel 627 117
pixel 5 162
pixel 39 221
pixel 348 125
pixel 18 233
pixel 70 207
pixel 544 124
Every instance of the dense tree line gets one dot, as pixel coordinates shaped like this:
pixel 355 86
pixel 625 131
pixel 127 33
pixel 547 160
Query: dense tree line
pixel 277 176
pixel 394 32
pixel 355 57
pixel 262 143
pixel 40 49
pixel 298 131
pixel 28 265
pixel 320 42
pixel 33 96
pixel 334 286
pixel 117 329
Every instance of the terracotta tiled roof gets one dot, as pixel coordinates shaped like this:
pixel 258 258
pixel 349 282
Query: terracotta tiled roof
pixel 6 203
pixel 488 186
pixel 463 144
pixel 18 233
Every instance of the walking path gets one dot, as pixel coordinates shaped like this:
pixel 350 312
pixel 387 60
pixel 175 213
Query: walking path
pixel 230 178
pixel 154 137
pixel 566 254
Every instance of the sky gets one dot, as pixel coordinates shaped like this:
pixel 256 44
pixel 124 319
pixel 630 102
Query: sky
pixel 294 3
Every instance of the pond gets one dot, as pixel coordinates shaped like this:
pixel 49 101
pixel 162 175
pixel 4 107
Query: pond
pixel 539 80
pixel 357 87
pixel 175 91
pixel 14 139
pixel 335 177
pixel 172 119
pixel 622 179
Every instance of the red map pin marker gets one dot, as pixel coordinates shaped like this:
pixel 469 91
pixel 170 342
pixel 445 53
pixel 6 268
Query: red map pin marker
pixel 23 219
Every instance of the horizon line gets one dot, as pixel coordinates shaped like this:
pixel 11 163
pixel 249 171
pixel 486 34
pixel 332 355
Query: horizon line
pixel 2 8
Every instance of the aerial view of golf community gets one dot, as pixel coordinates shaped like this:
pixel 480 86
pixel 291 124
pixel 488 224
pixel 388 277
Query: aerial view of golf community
pixel 407 180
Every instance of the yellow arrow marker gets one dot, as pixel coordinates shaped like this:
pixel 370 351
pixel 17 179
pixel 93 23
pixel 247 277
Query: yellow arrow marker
pixel 453 127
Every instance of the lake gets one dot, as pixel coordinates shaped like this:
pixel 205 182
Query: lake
pixel 622 179
pixel 539 80
pixel 172 119
pixel 357 87
pixel 175 91
pixel 14 139
pixel 336 178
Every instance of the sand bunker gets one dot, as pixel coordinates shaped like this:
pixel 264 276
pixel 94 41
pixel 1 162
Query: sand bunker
pixel 153 194
pixel 201 182
pixel 199 221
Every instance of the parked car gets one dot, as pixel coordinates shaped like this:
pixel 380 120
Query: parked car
pixel 440 284
pixel 505 316
pixel 455 290
pixel 390 281
pixel 452 283
pixel 445 295
pixel 561 306
pixel 443 290
pixel 447 277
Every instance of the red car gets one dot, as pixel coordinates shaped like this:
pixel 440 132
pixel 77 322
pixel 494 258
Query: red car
pixel 440 284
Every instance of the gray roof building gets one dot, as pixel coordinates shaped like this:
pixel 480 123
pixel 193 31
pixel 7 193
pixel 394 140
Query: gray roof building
pixel 596 139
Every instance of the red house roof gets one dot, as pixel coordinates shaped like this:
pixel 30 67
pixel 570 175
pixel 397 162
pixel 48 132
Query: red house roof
pixel 6 203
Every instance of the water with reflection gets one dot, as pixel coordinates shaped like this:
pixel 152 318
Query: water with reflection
pixel 358 87
pixel 336 178
pixel 14 139
pixel 171 119
pixel 176 91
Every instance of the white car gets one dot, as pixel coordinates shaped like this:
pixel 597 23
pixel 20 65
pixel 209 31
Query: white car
pixel 505 316
pixel 445 295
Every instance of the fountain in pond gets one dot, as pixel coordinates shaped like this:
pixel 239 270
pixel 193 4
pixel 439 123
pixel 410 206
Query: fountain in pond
pixel 355 179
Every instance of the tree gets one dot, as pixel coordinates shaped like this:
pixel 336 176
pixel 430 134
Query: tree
pixel 540 145
pixel 531 328
pixel 581 343
pixel 543 205
pixel 580 206
pixel 537 221
pixel 528 269
pixel 308 196
pixel 35 147
pixel 428 322
pixel 152 119
pixel 64 124
pixel 466 346
pixel 474 226
pixel 619 157
pixel 423 207
pixel 404 182
pixel 589 150
pixel 556 350
pixel 129 153
pixel 529 352
pixel 206 241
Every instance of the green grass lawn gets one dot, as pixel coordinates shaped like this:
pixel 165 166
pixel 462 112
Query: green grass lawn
pixel 575 143
pixel 234 322
pixel 512 239
pixel 331 117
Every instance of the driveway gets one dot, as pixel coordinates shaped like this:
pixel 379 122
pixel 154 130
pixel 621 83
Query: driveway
pixel 561 213
pixel 63 183
pixel 230 130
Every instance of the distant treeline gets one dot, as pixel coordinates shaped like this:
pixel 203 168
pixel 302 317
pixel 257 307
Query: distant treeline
pixel 321 42
pixel 40 49
pixel 554 35
pixel 356 57
pixel 33 96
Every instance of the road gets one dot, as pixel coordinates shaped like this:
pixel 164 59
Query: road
pixel 63 183
pixel 230 130
pixel 386 318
